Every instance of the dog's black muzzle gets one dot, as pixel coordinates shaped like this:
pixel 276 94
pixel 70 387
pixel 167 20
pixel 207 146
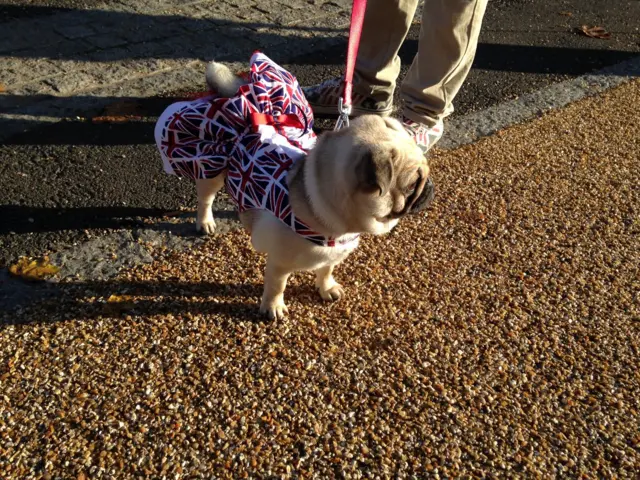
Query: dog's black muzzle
pixel 425 198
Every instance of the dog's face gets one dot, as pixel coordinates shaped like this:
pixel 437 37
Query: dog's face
pixel 381 170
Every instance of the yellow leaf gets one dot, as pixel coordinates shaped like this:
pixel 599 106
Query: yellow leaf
pixel 119 303
pixel 2 88
pixel 33 270
pixel 120 299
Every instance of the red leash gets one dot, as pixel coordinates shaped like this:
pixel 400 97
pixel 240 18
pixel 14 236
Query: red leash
pixel 355 31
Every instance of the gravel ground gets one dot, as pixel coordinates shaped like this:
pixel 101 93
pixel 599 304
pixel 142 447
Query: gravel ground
pixel 497 336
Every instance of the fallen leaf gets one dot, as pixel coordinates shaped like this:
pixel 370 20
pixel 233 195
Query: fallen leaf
pixel 566 14
pixel 120 299
pixel 119 303
pixel 2 88
pixel 33 270
pixel 594 32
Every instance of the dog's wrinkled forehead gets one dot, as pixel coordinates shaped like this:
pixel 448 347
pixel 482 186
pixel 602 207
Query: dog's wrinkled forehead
pixel 378 128
pixel 375 129
pixel 396 128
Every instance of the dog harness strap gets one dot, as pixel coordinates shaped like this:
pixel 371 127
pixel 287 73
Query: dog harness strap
pixel 355 31
pixel 258 119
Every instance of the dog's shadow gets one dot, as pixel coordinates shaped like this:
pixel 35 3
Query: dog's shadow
pixel 117 300
pixel 184 224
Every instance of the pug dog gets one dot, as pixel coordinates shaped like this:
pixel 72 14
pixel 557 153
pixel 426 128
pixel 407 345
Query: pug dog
pixel 361 179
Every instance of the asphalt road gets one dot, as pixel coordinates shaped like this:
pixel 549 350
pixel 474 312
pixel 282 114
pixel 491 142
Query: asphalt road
pixel 70 180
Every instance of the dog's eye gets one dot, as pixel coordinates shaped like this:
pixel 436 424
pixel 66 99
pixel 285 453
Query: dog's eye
pixel 411 188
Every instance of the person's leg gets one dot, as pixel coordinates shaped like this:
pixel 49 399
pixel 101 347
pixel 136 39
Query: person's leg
pixel 385 27
pixel 448 40
pixel 386 24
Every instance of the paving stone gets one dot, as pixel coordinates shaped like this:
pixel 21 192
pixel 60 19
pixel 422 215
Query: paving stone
pixel 145 50
pixel 240 50
pixel 190 74
pixel 325 26
pixel 255 14
pixel 27 94
pixel 17 46
pixel 145 33
pixel 335 7
pixel 72 82
pixel 220 13
pixel 153 6
pixel 67 50
pixel 176 47
pixel 305 17
pixel 15 71
pixel 194 24
pixel 165 17
pixel 73 32
pixel 154 57
pixel 105 73
pixel 295 4
pixel 206 10
pixel 69 19
pixel 106 40
pixel 96 75
pixel 24 31
pixel 13 42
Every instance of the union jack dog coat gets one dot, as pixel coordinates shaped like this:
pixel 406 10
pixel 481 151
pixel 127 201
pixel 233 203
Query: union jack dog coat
pixel 255 136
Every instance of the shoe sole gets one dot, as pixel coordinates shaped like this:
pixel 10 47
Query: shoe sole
pixel 332 111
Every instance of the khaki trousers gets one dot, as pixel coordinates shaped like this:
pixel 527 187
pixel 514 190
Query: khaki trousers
pixel 446 48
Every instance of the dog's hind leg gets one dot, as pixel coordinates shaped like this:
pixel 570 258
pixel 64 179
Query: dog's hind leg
pixel 206 189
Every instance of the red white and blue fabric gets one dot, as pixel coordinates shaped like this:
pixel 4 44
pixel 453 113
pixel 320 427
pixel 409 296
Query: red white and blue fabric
pixel 255 136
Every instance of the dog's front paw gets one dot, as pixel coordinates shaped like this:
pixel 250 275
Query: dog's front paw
pixel 273 310
pixel 206 225
pixel 336 292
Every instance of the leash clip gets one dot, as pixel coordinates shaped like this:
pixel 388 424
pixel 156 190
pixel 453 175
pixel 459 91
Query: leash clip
pixel 344 111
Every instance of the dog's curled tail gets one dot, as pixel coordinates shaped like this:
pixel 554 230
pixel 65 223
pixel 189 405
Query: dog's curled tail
pixel 222 80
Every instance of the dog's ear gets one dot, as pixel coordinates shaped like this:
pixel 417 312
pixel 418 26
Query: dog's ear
pixel 374 170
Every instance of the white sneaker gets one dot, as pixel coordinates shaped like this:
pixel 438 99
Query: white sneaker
pixel 426 137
